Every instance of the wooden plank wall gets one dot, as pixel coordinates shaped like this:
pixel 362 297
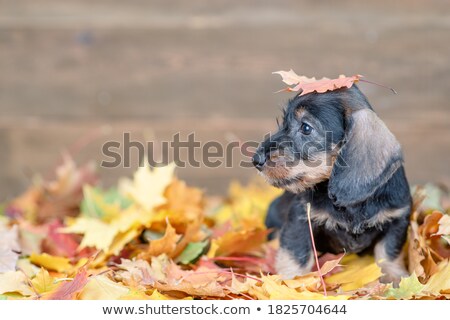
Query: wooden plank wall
pixel 70 70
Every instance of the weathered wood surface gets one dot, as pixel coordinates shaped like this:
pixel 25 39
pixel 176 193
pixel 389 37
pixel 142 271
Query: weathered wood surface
pixel 153 68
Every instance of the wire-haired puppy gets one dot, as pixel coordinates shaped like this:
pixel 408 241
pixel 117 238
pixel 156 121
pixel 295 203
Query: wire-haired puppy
pixel 334 152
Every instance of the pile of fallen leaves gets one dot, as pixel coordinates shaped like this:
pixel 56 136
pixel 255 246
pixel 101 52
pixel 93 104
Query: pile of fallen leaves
pixel 154 237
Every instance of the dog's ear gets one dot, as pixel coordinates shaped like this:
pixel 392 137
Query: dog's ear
pixel 368 158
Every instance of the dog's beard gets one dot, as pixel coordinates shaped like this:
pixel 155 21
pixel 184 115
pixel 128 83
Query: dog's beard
pixel 299 177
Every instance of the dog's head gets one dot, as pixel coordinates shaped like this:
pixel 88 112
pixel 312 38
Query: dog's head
pixel 333 136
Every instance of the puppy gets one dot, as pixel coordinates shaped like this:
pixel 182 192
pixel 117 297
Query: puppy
pixel 333 152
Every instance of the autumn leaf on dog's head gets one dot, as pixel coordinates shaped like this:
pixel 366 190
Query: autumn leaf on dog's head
pixel 306 85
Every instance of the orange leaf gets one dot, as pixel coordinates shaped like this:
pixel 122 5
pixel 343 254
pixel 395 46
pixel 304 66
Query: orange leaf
pixel 306 85
pixel 166 244
pixel 239 241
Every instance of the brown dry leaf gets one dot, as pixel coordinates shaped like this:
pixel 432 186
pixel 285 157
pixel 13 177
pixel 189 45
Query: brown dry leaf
pixel 244 241
pixel 307 85
pixel 164 245
pixel 201 282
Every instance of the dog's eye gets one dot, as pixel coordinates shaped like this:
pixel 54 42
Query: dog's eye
pixel 306 128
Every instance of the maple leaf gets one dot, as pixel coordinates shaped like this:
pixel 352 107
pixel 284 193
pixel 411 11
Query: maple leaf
pixel 238 242
pixel 97 233
pixel 57 243
pixel 408 288
pixel 444 228
pixel 273 288
pixel 246 207
pixel 356 273
pixel 136 273
pixel 102 288
pixel 192 251
pixel 148 186
pixel 102 205
pixel 183 202
pixel 440 281
pixel 43 282
pixel 9 248
pixel 70 289
pixel 166 244
pixel 14 281
pixel 307 85
pixel 47 261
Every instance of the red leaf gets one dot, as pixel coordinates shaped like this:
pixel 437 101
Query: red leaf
pixel 69 290
pixel 59 244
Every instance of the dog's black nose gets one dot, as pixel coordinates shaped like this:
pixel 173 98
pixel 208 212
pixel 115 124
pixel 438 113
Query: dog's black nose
pixel 258 161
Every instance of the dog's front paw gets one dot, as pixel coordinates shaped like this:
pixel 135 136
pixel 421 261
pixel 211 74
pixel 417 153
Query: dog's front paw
pixel 288 267
pixel 393 272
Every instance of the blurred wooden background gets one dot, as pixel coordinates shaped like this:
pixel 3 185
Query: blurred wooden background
pixel 86 71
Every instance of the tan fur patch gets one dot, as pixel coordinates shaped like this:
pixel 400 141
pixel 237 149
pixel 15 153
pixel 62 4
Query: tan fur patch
pixel 288 267
pixel 324 218
pixel 385 216
pixel 315 170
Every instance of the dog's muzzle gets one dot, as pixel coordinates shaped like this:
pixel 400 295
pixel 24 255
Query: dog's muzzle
pixel 259 160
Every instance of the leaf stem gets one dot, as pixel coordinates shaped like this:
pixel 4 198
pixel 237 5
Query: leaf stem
pixel 378 84
pixel 308 212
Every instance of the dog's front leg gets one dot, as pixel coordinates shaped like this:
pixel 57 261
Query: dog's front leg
pixel 295 256
pixel 388 250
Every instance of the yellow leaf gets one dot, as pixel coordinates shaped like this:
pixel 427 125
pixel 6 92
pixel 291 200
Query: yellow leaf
pixel 132 217
pixel 273 288
pixel 122 239
pixel 15 281
pixel 156 295
pixel 97 234
pixel 102 288
pixel 43 282
pixel 148 186
pixel 358 271
pixel 135 294
pixel 244 286
pixel 212 249
pixel 59 264
pixel 440 281
pixel 247 206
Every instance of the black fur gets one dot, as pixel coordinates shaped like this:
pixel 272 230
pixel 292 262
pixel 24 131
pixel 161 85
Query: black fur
pixel 350 199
